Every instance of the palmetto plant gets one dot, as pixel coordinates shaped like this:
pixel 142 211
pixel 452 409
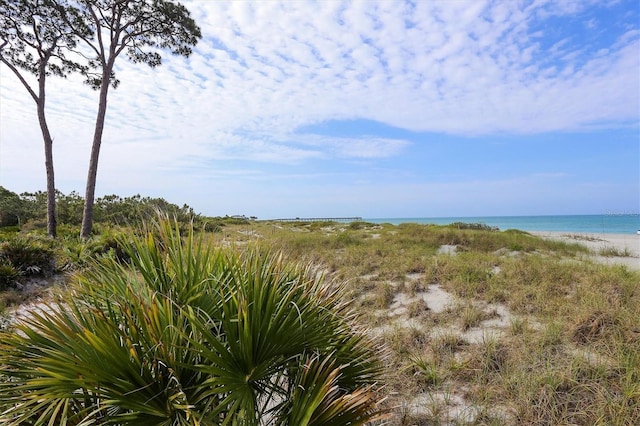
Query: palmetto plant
pixel 187 334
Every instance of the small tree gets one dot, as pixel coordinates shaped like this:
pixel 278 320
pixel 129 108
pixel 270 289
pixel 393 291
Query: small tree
pixel 69 207
pixel 12 208
pixel 35 36
pixel 139 28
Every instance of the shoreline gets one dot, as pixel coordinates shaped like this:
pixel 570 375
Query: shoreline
pixel 583 224
pixel 597 242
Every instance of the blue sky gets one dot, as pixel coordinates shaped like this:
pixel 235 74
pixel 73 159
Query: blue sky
pixel 370 108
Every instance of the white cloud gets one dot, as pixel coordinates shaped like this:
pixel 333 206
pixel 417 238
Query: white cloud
pixel 265 69
pixel 285 64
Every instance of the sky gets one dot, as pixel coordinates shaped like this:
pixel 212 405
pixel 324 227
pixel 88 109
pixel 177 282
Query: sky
pixel 377 109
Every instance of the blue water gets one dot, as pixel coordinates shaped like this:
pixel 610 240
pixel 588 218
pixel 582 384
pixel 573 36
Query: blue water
pixel 606 223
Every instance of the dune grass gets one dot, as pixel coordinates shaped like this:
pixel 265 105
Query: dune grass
pixel 570 354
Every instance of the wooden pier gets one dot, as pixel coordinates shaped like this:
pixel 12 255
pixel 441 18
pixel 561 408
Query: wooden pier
pixel 318 219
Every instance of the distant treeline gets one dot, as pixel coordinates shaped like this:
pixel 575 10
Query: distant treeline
pixel 29 210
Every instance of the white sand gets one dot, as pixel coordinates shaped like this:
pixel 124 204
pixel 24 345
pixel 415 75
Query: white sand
pixel 629 243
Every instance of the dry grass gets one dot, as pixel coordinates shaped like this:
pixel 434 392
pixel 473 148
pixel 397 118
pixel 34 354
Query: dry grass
pixel 563 349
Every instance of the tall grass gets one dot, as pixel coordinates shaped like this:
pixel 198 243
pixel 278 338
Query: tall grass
pixel 569 356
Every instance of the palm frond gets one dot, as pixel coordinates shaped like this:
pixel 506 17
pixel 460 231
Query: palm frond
pixel 188 334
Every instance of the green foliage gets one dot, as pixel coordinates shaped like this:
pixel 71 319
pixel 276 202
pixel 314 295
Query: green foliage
pixel 75 255
pixel 474 226
pixel 187 334
pixel 8 274
pixel 211 226
pixel 312 225
pixel 29 210
pixel 360 225
pixel 426 371
pixel 10 208
pixel 69 208
pixel 35 225
pixel 36 204
pixel 7 231
pixel 30 256
pixel 38 35
pixel 135 210
pixel 570 326
pixel 141 29
pixel 347 239
pixel 233 220
pixel 15 209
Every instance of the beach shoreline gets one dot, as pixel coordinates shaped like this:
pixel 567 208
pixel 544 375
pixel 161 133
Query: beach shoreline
pixel 598 242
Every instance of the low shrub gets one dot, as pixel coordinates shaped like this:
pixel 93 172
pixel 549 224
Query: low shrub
pixel 360 225
pixel 212 226
pixel 474 226
pixel 9 230
pixel 8 275
pixel 111 245
pixel 31 256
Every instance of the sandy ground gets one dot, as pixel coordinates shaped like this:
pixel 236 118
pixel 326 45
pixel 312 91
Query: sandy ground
pixel 629 243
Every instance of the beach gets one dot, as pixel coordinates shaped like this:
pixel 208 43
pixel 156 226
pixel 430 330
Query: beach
pixel 598 242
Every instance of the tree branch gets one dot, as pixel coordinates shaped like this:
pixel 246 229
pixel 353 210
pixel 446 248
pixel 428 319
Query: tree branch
pixel 80 34
pixel 19 75
pixel 100 50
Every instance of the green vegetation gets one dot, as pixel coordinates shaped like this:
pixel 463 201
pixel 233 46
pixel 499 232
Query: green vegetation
pixel 26 253
pixel 530 332
pixel 187 334
pixel 28 210
pixel 614 252
pixel 567 350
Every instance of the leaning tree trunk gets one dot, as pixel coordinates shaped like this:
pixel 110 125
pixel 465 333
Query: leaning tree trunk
pixel 89 198
pixel 46 136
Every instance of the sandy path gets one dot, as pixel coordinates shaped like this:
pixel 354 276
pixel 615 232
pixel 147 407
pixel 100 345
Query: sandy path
pixel 597 242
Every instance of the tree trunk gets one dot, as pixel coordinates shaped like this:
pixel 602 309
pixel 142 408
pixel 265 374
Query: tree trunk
pixel 48 155
pixel 51 188
pixel 87 214
pixel 46 136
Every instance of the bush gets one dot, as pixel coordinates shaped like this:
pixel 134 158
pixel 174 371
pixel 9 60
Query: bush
pixel 360 225
pixel 29 256
pixel 186 334
pixel 212 226
pixel 8 275
pixel 109 243
pixel 474 226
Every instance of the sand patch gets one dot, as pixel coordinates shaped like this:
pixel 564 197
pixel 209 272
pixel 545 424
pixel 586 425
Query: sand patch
pixel 450 407
pixel 447 249
pixel 598 243
pixel 437 299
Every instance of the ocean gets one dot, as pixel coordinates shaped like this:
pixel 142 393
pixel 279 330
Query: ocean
pixel 604 223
